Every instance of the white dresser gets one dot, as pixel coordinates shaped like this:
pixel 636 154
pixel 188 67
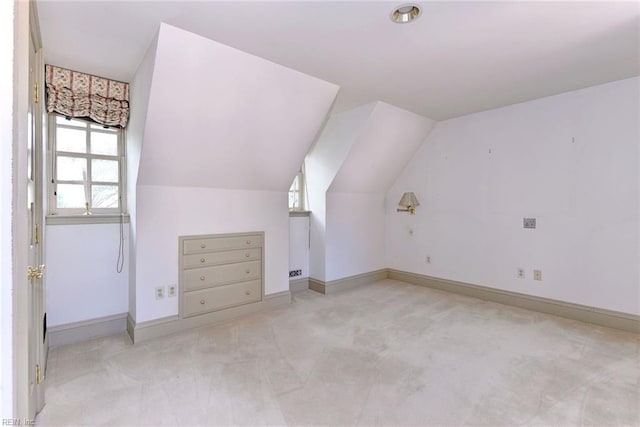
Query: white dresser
pixel 219 271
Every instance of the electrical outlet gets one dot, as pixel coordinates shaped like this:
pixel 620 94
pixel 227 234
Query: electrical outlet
pixel 428 260
pixel 172 290
pixel 537 274
pixel 521 273
pixel 159 292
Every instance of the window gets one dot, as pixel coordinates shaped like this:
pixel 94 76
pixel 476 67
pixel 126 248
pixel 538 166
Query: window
pixel 86 167
pixel 297 193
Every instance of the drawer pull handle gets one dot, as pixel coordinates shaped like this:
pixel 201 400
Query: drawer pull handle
pixel 202 259
pixel 202 278
pixel 202 301
pixel 203 246
pixel 248 242
pixel 247 271
pixel 247 254
pixel 248 292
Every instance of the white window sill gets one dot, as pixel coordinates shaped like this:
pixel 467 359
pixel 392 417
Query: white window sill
pixel 86 219
pixel 299 213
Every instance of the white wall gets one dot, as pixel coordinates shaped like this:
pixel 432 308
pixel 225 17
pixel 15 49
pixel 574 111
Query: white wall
pixel 299 245
pixel 348 171
pixel 140 89
pixel 321 166
pixel 354 234
pixel 225 133
pixel 355 219
pixel 170 212
pixel 82 281
pixel 570 160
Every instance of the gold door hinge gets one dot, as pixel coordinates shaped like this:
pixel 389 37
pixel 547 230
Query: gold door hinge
pixel 36 95
pixel 36 234
pixel 35 273
pixel 38 377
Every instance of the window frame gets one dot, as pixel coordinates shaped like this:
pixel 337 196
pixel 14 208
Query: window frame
pixel 53 153
pixel 299 179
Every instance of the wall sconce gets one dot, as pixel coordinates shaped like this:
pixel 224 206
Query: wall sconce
pixel 409 203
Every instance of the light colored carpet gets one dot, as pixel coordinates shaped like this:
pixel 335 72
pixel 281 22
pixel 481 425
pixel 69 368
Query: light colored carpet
pixel 385 353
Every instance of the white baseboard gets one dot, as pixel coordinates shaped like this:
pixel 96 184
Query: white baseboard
pixel 583 313
pixel 72 333
pixel 347 282
pixel 144 331
pixel 110 325
pixel 299 284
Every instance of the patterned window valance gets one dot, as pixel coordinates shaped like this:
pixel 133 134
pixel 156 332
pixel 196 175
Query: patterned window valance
pixel 75 94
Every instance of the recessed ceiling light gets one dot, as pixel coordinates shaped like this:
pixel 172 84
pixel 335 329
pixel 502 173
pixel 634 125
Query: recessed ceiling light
pixel 405 13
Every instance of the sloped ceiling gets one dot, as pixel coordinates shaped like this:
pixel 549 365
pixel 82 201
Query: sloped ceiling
pixel 380 150
pixel 328 155
pixel 222 118
pixel 459 57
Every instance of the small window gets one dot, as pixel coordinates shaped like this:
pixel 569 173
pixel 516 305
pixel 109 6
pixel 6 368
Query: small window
pixel 86 167
pixel 297 193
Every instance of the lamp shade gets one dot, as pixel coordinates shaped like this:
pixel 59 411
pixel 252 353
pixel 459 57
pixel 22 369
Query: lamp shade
pixel 409 200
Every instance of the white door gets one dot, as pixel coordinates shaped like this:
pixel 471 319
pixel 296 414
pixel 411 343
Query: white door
pixel 35 271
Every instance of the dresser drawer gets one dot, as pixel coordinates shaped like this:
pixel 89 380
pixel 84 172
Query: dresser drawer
pixel 198 278
pixel 215 258
pixel 198 246
pixel 197 302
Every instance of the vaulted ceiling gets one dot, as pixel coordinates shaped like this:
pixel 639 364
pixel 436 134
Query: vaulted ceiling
pixel 457 58
pixel 221 118
pixel 385 143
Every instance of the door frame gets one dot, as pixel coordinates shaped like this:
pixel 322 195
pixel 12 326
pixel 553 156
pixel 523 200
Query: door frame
pixel 25 26
pixel 8 24
pixel 19 226
pixel 36 223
